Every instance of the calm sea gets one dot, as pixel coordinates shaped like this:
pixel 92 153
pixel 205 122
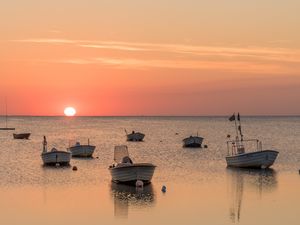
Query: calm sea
pixel 200 189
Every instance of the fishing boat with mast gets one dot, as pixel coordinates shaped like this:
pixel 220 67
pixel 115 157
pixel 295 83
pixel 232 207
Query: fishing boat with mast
pixel 237 156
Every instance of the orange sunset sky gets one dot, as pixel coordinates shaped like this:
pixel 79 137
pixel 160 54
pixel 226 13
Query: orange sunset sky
pixel 138 57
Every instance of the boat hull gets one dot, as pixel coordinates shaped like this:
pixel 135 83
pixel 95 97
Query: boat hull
pixel 132 173
pixel 192 142
pixel 82 150
pixel 22 136
pixel 135 137
pixel 261 159
pixel 57 157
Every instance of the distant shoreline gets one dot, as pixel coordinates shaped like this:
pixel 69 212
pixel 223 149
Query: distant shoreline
pixel 150 116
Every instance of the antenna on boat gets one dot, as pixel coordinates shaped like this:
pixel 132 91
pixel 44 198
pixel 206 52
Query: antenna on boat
pixel 240 127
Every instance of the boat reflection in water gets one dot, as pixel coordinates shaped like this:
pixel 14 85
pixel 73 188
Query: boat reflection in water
pixel 126 196
pixel 241 180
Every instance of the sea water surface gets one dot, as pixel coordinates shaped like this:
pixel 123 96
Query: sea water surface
pixel 200 189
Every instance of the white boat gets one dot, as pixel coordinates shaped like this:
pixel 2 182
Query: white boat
pixel 237 156
pixel 193 142
pixel 125 171
pixel 258 159
pixel 135 136
pixel 55 156
pixel 79 150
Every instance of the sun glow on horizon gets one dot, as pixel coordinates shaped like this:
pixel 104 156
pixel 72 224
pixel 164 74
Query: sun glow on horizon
pixel 69 111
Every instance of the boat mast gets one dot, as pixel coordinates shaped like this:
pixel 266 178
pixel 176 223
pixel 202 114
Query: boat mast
pixel 5 113
pixel 6 119
pixel 236 129
pixel 240 126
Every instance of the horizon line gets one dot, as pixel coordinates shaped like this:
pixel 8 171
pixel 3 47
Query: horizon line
pixel 212 115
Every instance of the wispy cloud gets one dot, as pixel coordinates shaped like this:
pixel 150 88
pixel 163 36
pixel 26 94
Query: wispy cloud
pixel 141 64
pixel 221 51
pixel 260 52
pixel 47 41
pixel 113 47
pixel 152 55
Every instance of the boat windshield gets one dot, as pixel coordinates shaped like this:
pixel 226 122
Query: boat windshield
pixel 121 151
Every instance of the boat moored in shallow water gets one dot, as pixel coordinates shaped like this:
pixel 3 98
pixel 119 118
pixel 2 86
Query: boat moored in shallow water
pixel 237 156
pixel 125 171
pixel 79 150
pixel 21 136
pixel 135 136
pixel 193 142
pixel 55 157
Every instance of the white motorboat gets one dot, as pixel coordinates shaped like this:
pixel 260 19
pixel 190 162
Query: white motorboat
pixel 193 142
pixel 54 156
pixel 79 150
pixel 135 136
pixel 125 171
pixel 237 156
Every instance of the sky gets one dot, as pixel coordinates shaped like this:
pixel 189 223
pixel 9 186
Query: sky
pixel 159 57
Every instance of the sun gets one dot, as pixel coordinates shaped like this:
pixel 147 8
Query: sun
pixel 70 111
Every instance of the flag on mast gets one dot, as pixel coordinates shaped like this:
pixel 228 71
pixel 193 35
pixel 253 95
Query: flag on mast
pixel 232 118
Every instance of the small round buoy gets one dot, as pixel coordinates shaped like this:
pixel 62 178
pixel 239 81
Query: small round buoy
pixel 164 189
pixel 205 146
pixel 139 183
pixel 74 168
